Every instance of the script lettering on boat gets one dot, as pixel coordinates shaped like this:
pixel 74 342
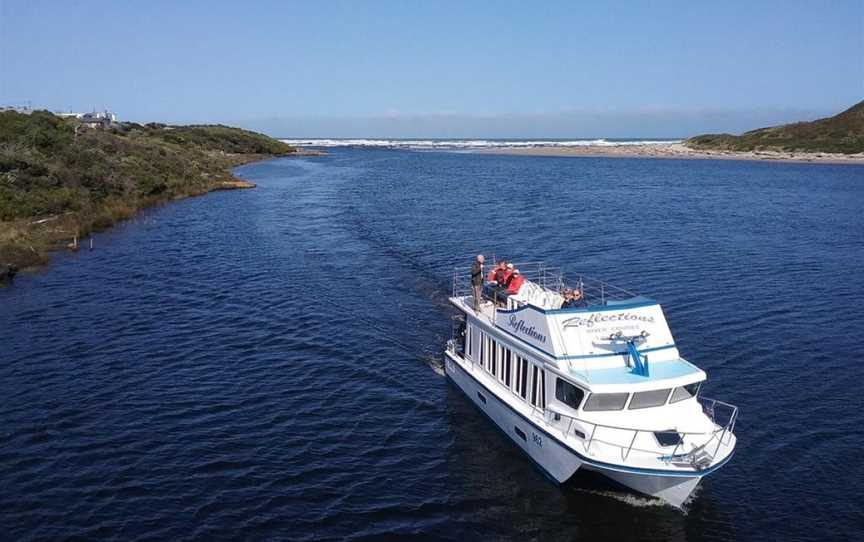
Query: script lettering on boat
pixel 518 325
pixel 591 321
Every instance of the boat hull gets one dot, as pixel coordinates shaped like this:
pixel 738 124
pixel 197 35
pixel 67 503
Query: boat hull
pixel 675 490
pixel 556 460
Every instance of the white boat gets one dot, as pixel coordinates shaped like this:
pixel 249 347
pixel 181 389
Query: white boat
pixel 600 387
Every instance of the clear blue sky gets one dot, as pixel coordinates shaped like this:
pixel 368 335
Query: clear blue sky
pixel 460 69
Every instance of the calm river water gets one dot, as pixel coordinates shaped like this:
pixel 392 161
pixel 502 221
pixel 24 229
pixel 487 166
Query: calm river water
pixel 266 363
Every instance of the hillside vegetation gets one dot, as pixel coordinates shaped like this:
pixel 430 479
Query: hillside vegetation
pixel 843 133
pixel 59 179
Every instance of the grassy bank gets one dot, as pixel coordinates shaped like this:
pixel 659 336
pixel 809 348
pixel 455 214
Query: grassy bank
pixel 840 134
pixel 59 179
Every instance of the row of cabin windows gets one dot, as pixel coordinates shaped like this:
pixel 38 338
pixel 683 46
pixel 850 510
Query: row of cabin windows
pixel 518 374
pixel 514 371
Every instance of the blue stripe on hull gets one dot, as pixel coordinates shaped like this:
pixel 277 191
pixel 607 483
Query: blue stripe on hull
pixel 589 462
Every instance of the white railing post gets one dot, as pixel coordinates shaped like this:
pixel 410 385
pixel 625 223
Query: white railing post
pixel 678 445
pixel 632 441
pixel 591 438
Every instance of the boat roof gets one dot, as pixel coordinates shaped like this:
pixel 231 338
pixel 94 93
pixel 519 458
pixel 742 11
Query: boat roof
pixel 602 344
pixel 669 374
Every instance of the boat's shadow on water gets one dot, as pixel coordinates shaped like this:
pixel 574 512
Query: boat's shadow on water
pixel 589 506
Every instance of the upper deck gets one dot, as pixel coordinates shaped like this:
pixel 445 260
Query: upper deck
pixel 617 341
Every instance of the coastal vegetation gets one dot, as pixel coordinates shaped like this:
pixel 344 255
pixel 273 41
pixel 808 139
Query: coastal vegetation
pixel 60 180
pixel 842 133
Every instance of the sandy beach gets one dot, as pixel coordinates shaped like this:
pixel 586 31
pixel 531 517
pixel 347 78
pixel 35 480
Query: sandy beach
pixel 676 150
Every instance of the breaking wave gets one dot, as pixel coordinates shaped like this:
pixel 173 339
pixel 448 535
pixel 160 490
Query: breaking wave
pixel 472 143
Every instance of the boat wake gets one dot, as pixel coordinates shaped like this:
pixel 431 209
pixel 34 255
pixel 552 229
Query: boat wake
pixel 436 364
pixel 631 499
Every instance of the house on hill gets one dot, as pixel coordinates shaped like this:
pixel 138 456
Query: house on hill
pixel 102 119
pixel 98 120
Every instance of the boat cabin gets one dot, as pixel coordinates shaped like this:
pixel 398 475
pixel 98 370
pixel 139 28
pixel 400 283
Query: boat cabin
pixel 613 353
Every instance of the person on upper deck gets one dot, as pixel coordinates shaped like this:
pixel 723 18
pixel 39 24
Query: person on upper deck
pixel 515 282
pixel 495 272
pixel 572 298
pixel 477 280
pixel 506 276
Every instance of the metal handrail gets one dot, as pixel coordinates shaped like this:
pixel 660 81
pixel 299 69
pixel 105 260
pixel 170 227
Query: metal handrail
pixel 723 431
pixel 595 292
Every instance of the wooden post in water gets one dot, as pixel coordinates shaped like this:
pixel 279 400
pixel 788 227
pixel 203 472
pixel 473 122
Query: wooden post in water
pixel 91 242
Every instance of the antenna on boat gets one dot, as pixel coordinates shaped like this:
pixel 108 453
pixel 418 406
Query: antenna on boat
pixel 640 362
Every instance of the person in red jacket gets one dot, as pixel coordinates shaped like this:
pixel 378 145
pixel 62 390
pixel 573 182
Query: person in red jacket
pixel 515 282
pixel 505 275
pixel 495 272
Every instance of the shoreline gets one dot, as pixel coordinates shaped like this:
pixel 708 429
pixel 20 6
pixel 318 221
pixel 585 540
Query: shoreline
pixel 39 258
pixel 675 151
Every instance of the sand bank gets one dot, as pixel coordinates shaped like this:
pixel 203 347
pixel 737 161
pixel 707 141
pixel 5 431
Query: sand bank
pixel 677 150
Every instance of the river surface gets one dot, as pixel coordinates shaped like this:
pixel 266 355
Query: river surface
pixel 266 364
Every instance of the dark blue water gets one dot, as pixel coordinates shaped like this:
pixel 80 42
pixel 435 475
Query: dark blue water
pixel 266 364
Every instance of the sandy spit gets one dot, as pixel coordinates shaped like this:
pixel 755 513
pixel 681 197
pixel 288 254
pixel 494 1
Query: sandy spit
pixel 677 150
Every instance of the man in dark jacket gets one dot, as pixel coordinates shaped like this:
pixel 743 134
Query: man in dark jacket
pixel 477 280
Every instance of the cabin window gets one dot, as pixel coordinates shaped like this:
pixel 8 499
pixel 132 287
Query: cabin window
pixel 568 394
pixel 534 387
pixel 685 392
pixel 468 335
pixel 482 341
pixel 493 363
pixel 606 401
pixel 523 374
pixel 516 359
pixel 538 392
pixel 505 369
pixel 516 374
pixel 648 399
pixel 521 377
pixel 542 389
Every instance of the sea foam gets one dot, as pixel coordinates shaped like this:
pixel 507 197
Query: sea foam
pixel 471 143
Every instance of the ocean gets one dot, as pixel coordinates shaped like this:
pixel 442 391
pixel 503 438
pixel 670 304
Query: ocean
pixel 266 364
pixel 470 144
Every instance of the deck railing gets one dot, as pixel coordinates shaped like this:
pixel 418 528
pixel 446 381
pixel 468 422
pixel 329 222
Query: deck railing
pixel 595 292
pixel 722 415
pixel 707 444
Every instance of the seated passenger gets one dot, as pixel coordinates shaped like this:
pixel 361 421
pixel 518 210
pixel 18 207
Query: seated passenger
pixel 572 299
pixel 515 282
pixel 506 275
pixel 493 273
pixel 502 273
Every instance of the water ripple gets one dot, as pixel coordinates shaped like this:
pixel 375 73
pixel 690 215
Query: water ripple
pixel 266 364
